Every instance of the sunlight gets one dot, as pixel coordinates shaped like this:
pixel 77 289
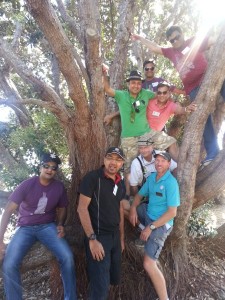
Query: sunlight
pixel 211 13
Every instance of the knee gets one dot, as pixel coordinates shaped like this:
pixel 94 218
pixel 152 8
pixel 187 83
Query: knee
pixel 68 258
pixel 9 265
pixel 149 264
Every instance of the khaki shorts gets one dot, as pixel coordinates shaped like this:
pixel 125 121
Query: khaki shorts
pixel 160 140
pixel 130 150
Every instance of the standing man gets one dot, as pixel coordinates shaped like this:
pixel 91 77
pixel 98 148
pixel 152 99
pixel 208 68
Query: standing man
pixel 143 165
pixel 41 202
pixel 101 215
pixel 132 106
pixel 189 60
pixel 157 217
pixel 162 107
pixel 151 82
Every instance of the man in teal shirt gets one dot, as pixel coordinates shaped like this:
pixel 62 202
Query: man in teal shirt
pixel 156 217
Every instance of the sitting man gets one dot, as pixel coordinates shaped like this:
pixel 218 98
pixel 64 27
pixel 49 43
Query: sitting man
pixel 42 203
pixel 143 165
pixel 156 217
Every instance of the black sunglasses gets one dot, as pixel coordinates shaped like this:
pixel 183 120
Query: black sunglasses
pixel 46 166
pixel 176 38
pixel 160 93
pixel 148 69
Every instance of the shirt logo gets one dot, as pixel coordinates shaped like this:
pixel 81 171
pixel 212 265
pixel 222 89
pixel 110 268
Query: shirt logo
pixel 161 187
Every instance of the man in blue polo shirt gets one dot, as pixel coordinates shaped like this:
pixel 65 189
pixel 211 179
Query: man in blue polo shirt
pixel 156 216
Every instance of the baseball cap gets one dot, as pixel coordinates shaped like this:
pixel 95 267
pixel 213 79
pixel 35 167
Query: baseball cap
pixel 47 157
pixel 164 154
pixel 115 150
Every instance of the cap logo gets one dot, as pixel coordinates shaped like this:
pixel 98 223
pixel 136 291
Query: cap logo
pixel 52 155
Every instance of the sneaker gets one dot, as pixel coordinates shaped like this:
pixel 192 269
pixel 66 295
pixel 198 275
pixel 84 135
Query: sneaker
pixel 204 163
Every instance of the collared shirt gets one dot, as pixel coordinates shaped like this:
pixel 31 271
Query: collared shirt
pixel 125 102
pixel 162 194
pixel 158 116
pixel 105 194
pixel 136 174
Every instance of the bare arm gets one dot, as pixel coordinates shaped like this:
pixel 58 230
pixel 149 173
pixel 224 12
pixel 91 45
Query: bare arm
pixel 107 88
pixel 152 46
pixel 108 118
pixel 61 217
pixel 134 190
pixel 183 110
pixel 96 247
pixel 133 210
pixel 10 208
pixel 168 215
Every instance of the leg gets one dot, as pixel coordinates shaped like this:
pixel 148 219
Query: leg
pixel 156 277
pixel 174 151
pixel 47 235
pixel 115 267
pixel 210 140
pixel 15 252
pixel 99 271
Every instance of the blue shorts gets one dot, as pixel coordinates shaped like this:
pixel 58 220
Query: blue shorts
pixel 155 243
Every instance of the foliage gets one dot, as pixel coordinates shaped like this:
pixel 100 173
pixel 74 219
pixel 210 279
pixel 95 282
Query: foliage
pixel 200 222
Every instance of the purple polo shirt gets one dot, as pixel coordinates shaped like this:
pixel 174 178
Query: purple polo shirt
pixel 38 203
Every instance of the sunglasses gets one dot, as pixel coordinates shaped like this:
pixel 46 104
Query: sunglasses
pixel 135 109
pixel 148 69
pixel 162 93
pixel 176 38
pixel 46 166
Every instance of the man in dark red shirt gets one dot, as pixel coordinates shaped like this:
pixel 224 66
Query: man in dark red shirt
pixel 189 59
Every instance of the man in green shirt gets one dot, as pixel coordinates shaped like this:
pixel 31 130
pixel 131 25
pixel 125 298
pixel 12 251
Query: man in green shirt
pixel 132 105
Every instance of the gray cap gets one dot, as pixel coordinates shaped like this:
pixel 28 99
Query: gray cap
pixel 164 154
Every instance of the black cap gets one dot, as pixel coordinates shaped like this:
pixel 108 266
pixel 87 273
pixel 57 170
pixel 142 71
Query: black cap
pixel 164 154
pixel 135 75
pixel 47 157
pixel 115 150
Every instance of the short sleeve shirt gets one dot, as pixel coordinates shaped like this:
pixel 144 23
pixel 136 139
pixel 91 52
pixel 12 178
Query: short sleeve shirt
pixel 162 194
pixel 136 174
pixel 189 61
pixel 37 203
pixel 153 83
pixel 105 194
pixel 158 116
pixel 125 102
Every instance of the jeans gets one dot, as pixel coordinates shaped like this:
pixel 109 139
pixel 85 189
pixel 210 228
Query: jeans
pixel 21 242
pixel 209 136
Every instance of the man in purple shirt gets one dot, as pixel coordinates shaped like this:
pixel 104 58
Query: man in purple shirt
pixel 36 200
pixel 151 82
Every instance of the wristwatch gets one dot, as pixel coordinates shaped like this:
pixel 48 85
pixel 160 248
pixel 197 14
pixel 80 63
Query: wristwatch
pixel 152 226
pixel 92 237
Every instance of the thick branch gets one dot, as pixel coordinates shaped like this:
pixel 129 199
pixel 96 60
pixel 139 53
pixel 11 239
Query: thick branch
pixel 46 92
pixel 48 22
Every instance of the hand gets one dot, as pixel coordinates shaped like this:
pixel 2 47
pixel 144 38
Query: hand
pixel 135 37
pixel 2 251
pixel 191 107
pixel 133 216
pixel 105 68
pixel 97 250
pixel 145 234
pixel 107 120
pixel 60 231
